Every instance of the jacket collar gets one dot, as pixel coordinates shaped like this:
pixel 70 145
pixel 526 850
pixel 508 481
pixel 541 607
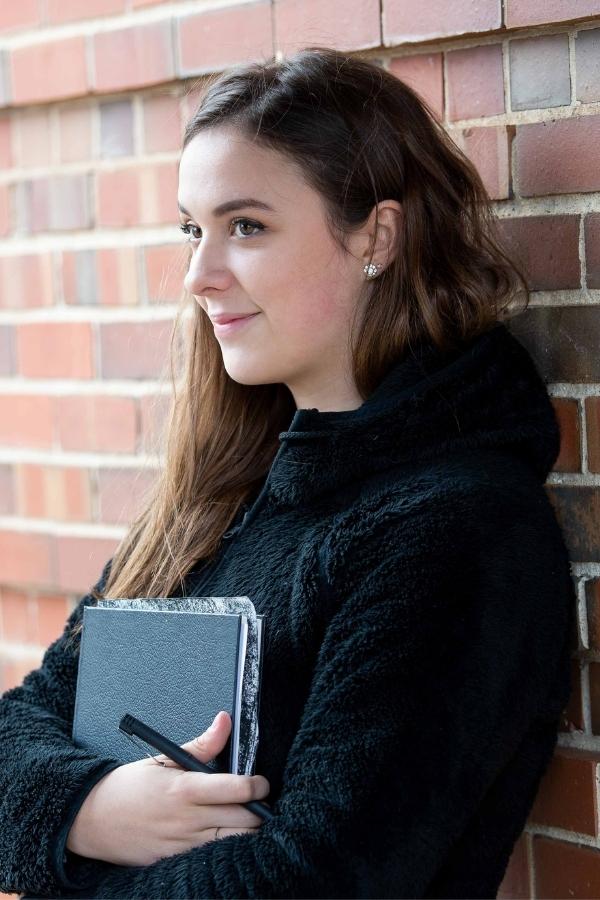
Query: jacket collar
pixel 487 394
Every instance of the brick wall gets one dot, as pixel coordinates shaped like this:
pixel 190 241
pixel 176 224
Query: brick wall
pixel 93 97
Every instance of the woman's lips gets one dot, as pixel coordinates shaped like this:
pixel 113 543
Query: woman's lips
pixel 233 325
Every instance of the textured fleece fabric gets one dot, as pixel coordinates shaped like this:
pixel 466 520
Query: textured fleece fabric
pixel 418 606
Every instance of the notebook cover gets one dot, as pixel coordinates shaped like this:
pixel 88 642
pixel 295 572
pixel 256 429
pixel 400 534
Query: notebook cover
pixel 174 670
pixel 248 724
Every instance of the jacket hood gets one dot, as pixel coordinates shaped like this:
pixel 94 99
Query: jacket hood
pixel 487 394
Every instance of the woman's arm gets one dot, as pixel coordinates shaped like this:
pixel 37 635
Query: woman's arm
pixel 433 668
pixel 44 777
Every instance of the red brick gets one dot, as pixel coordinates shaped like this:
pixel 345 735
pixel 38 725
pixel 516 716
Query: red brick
pixel 122 493
pixel 162 123
pixel 118 202
pixel 97 423
pixel 133 57
pixel 592 414
pixel 49 71
pixel 57 203
pixel 154 413
pixel 118 276
pixel 71 10
pixel 25 558
pixel 6 157
pixel 32 130
pixel 515 883
pixel 165 268
pixel 75 133
pixel 5 216
pixel 541 12
pixel 565 869
pixel 325 22
pixel 158 193
pixel 592 249
pixel 547 249
pixel 54 492
pixel 140 195
pixel 217 38
pixel 17 616
pixel 567 412
pixel 80 561
pixel 558 157
pixel 32 618
pixel 404 21
pixel 26 281
pixel 424 73
pixel 488 148
pixel 55 350
pixel 566 798
pixel 52 613
pixel 26 421
pixel 134 349
pixel 24 14
pixel 7 490
pixel 475 82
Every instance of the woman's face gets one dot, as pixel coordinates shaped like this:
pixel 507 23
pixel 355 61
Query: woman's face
pixel 278 263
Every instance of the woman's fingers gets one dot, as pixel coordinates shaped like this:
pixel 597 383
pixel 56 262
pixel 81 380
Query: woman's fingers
pixel 208 745
pixel 222 787
pixel 226 815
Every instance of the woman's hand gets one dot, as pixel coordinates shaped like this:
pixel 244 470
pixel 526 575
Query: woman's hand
pixel 141 811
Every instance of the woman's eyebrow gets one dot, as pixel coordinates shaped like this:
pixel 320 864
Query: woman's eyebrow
pixel 231 205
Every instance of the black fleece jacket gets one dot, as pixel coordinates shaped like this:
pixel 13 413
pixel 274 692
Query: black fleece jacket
pixel 418 606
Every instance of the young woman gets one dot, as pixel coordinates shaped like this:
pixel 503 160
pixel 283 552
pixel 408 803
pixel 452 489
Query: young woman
pixel 363 453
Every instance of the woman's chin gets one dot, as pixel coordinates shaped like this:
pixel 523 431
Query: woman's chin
pixel 245 371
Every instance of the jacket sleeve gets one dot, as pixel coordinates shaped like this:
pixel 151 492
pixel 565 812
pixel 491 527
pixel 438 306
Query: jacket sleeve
pixel 421 693
pixel 44 777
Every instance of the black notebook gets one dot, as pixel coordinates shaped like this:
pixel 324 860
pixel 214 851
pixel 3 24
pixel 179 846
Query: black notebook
pixel 173 663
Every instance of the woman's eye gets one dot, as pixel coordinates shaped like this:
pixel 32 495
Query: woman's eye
pixel 189 229
pixel 248 222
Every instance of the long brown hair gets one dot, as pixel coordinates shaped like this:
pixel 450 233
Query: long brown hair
pixel 360 135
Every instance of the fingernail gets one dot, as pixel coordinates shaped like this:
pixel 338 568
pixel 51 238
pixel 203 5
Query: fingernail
pixel 214 723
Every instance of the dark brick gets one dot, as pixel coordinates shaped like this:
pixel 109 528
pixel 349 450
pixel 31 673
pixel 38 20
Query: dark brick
pixel 577 509
pixel 592 415
pixel 546 248
pixel 563 341
pixel 592 599
pixel 592 249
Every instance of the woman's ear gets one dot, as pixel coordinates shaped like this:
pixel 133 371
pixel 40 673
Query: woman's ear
pixel 382 233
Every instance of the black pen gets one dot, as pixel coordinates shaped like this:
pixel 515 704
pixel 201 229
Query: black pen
pixel 130 725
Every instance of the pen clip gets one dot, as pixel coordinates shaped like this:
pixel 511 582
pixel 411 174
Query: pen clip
pixel 134 739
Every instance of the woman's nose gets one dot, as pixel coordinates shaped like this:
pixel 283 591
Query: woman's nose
pixel 205 271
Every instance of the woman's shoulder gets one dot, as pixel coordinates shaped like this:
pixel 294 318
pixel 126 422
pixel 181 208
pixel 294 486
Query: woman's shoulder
pixel 442 506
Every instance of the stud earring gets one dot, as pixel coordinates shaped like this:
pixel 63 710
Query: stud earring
pixel 371 270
